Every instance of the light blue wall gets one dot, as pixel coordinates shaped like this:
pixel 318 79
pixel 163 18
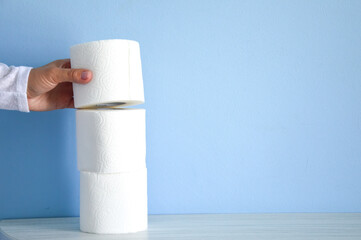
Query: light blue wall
pixel 252 106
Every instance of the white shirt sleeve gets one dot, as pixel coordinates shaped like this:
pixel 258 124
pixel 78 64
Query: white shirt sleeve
pixel 13 87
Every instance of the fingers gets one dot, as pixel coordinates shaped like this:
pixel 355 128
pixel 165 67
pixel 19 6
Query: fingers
pixel 80 76
pixel 62 96
pixel 64 72
pixel 62 63
pixel 71 103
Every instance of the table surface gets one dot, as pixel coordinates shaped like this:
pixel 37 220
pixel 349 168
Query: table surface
pixel 293 226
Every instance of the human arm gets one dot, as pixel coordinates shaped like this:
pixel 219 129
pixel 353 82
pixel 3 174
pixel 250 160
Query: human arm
pixel 40 89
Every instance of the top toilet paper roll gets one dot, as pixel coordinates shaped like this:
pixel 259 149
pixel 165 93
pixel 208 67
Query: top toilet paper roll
pixel 117 73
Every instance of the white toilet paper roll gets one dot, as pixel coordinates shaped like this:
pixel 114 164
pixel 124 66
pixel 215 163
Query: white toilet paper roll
pixel 110 140
pixel 117 73
pixel 113 203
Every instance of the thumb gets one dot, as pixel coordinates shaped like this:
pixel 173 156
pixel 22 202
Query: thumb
pixel 74 75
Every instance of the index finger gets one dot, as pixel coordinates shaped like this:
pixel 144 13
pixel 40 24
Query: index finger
pixel 62 63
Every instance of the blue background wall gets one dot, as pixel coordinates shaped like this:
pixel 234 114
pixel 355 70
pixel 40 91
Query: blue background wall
pixel 252 106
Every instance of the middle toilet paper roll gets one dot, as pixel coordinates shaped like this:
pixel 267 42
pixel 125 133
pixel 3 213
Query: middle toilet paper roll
pixel 110 140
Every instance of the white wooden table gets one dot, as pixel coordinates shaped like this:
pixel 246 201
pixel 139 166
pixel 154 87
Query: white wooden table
pixel 290 226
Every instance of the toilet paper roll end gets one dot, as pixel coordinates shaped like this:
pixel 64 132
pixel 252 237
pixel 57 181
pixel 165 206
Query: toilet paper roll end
pixel 116 104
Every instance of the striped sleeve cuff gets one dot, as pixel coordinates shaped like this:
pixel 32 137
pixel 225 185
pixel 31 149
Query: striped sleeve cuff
pixel 13 89
pixel 22 86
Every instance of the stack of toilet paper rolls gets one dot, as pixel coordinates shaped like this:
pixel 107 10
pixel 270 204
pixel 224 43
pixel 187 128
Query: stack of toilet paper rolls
pixel 111 142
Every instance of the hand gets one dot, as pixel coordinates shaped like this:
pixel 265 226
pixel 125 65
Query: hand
pixel 50 87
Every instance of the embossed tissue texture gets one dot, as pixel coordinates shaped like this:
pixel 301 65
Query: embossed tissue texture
pixel 111 140
pixel 113 203
pixel 117 73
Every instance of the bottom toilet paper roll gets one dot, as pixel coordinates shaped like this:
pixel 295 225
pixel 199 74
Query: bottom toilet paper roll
pixel 113 203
